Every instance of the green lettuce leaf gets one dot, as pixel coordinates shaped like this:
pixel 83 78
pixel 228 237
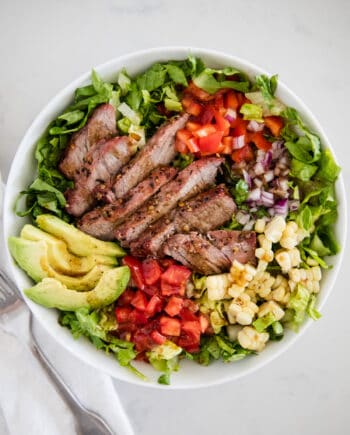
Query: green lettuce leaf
pixel 211 80
pixel 311 310
pixel 264 322
pixel 252 112
pixel 302 171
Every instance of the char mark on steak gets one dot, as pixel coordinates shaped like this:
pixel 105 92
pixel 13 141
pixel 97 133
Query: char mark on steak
pixel 195 251
pixel 100 126
pixel 158 151
pixel 198 176
pixel 204 212
pixel 101 164
pixel 235 245
pixel 101 221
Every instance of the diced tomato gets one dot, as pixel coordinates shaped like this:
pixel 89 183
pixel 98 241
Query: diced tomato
pixel 259 140
pixel 193 126
pixel 135 269
pixel 193 328
pixel 174 306
pixel 154 306
pixel 123 314
pixel 244 154
pixel 192 145
pixel 219 101
pixel 222 124
pixel 169 326
pixel 203 322
pixel 181 147
pixel 126 297
pixel 157 337
pixel 139 317
pixel 186 314
pixel 151 271
pixel 198 92
pixel 191 305
pixel 207 115
pixel 173 280
pixel 140 300
pixel 231 100
pixel 204 130
pixel 191 106
pixel 274 124
pixel 142 341
pixel 210 144
pixel 240 127
pixel 183 134
pixel 226 145
pixel 242 99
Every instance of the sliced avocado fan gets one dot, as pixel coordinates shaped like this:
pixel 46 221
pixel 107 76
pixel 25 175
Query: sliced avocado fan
pixel 53 294
pixel 60 258
pixel 32 256
pixel 77 242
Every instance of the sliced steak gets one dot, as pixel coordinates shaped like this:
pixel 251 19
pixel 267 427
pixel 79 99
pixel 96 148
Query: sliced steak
pixel 101 125
pixel 235 245
pixel 195 251
pixel 197 177
pixel 158 151
pixel 101 163
pixel 203 213
pixel 101 221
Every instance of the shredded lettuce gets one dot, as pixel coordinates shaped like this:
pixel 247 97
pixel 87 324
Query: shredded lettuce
pixel 276 331
pixel 252 112
pixel 264 322
pixel 220 347
pixel 92 324
pixel 211 80
pixel 311 310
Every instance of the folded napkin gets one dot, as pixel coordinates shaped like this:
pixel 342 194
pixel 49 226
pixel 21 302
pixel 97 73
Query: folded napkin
pixel 29 403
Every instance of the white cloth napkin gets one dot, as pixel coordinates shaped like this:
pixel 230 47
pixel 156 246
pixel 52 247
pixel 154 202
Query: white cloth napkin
pixel 29 402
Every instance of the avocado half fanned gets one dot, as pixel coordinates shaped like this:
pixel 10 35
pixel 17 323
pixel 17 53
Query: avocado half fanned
pixel 53 294
pixel 73 270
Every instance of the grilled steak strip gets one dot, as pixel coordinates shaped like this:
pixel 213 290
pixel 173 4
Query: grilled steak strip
pixel 101 221
pixel 195 251
pixel 101 163
pixel 101 125
pixel 158 151
pixel 235 245
pixel 197 177
pixel 203 213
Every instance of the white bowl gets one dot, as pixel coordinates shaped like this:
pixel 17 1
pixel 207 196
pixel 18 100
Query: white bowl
pixel 190 375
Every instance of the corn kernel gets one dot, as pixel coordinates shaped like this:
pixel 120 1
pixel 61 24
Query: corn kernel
pixel 260 225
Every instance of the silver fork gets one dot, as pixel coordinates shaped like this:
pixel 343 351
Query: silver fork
pixel 86 421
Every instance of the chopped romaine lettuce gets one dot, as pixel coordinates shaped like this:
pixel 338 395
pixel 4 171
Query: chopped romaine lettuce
pixel 263 323
pixel 252 112
pixel 211 80
pixel 311 310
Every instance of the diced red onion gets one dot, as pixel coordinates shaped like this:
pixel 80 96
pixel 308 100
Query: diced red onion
pixel 238 142
pixel 282 183
pixel 294 205
pixel 254 195
pixel 242 217
pixel 253 209
pixel 266 199
pixel 258 182
pixel 249 225
pixel 260 155
pixel 230 115
pixel 269 176
pixel 277 149
pixel 271 211
pixel 281 207
pixel 267 160
pixel 247 178
pixel 255 126
pixel 259 168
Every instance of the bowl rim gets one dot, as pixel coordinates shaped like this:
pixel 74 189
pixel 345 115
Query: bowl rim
pixel 167 52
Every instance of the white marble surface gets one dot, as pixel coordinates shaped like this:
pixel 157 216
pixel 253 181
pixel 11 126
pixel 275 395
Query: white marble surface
pixel 44 44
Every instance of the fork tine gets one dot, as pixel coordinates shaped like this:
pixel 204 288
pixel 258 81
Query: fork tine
pixel 9 293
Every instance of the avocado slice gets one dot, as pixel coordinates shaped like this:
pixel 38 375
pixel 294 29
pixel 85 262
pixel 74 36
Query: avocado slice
pixel 32 256
pixel 60 258
pixel 77 242
pixel 53 294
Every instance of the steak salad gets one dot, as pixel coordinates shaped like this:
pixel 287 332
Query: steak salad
pixel 182 213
